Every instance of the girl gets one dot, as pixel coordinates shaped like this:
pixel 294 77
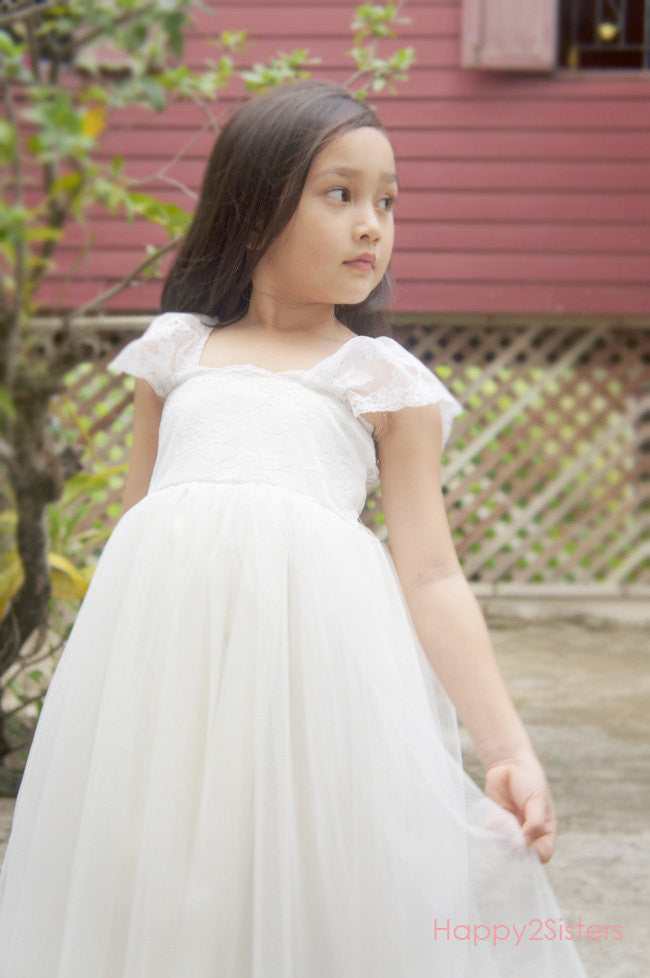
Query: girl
pixel 246 765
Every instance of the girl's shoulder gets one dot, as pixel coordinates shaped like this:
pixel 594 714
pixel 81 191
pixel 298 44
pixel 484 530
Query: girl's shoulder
pixel 172 331
pixel 171 341
pixel 377 374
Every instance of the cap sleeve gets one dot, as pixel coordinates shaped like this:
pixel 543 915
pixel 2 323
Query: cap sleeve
pixel 380 375
pixel 171 342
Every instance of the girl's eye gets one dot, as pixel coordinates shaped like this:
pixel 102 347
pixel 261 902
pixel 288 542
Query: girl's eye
pixel 340 194
pixel 387 203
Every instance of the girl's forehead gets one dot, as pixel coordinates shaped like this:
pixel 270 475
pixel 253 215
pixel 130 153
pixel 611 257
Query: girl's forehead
pixel 364 150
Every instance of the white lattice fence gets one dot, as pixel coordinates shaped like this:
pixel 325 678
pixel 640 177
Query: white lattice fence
pixel 544 479
pixel 547 476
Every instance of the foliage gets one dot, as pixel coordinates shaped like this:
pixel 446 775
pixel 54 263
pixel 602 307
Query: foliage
pixel 64 70
pixel 372 24
pixel 71 564
pixel 71 553
pixel 65 73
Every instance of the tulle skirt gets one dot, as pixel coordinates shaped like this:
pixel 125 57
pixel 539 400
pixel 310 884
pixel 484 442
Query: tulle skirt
pixel 245 767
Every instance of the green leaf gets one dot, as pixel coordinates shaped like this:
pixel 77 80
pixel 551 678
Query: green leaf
pixel 8 141
pixel 68 183
pixel 234 41
pixel 12 54
pixel 43 234
pixel 173 23
pixel 155 94
pixel 85 483
pixel 7 406
pixel 59 124
pixel 97 93
pixel 281 70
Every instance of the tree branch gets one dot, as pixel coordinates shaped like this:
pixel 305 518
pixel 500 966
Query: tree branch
pixel 173 182
pixel 161 173
pixel 100 31
pixel 15 317
pixel 213 121
pixel 59 212
pixel 123 283
pixel 32 659
pixel 26 702
pixel 33 50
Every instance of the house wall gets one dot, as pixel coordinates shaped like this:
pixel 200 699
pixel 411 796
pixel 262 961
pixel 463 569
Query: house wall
pixel 522 193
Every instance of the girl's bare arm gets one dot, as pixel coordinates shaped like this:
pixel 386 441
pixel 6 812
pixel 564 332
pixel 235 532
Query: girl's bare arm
pixel 148 409
pixel 448 620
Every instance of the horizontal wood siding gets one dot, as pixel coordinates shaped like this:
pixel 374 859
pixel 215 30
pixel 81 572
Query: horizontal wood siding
pixel 521 194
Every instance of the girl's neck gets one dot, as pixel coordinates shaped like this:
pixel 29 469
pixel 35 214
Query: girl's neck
pixel 273 317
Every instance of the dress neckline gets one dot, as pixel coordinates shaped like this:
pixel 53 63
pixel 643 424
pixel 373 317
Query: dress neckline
pixel 274 373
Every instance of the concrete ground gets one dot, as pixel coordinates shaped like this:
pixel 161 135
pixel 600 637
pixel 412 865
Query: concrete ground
pixel 583 692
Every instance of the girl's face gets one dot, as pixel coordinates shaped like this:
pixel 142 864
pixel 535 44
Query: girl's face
pixel 336 247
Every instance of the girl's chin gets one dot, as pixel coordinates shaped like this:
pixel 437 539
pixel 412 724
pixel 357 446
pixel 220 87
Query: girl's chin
pixel 356 297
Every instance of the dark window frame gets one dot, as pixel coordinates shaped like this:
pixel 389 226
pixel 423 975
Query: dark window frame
pixel 604 35
pixel 536 36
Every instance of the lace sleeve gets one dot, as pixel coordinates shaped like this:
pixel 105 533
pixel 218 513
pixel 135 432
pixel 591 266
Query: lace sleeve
pixel 382 376
pixel 170 342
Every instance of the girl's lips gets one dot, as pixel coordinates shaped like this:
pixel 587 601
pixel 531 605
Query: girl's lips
pixel 362 264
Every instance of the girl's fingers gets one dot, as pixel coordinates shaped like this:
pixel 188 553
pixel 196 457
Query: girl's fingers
pixel 539 827
pixel 535 817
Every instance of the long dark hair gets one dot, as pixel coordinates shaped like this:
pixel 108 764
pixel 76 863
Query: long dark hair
pixel 251 189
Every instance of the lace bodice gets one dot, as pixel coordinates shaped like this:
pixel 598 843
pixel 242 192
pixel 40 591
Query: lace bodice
pixel 300 429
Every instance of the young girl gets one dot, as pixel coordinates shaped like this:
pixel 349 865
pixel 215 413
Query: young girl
pixel 246 765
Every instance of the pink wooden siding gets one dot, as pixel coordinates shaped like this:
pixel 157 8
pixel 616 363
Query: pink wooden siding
pixel 521 193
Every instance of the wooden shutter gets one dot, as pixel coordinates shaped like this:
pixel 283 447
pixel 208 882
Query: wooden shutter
pixel 510 35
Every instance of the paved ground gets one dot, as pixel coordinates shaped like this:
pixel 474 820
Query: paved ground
pixel 584 694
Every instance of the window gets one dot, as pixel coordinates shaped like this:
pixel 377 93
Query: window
pixel 542 35
pixel 518 35
pixel 605 34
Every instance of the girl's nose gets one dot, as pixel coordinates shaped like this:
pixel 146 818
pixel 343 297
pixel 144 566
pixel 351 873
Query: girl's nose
pixel 367 225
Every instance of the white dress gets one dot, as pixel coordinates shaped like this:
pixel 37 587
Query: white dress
pixel 245 766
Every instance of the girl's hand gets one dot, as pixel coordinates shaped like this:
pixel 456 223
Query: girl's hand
pixel 519 785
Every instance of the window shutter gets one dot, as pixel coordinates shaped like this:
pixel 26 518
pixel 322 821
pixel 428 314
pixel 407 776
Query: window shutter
pixel 510 35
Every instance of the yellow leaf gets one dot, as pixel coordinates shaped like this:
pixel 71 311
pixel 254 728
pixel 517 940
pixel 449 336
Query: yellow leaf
pixel 93 121
pixel 67 582
pixel 11 579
